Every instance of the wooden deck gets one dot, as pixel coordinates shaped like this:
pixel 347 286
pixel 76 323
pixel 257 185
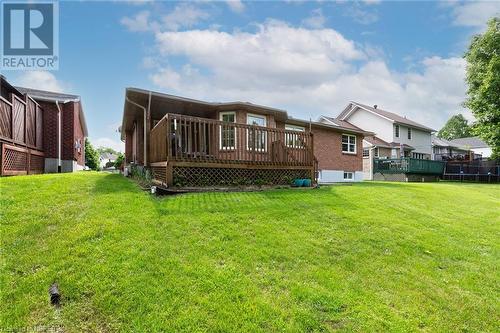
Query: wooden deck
pixel 185 143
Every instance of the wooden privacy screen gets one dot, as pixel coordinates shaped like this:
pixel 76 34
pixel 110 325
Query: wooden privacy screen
pixel 30 122
pixel 18 120
pixel 5 119
pixel 21 122
pixel 39 128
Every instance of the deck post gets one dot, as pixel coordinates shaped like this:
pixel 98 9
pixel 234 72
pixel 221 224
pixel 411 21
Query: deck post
pixel 169 175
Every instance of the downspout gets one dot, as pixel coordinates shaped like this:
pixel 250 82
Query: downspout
pixel 59 136
pixel 144 126
pixel 371 161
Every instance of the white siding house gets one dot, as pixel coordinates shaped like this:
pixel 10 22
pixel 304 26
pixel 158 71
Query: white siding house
pixel 399 132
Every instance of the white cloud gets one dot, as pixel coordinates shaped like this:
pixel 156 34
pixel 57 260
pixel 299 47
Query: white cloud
pixel 184 15
pixel 108 143
pixel 273 53
pixel 371 2
pixel 360 14
pixel 236 6
pixel 474 14
pixel 316 20
pixel 40 80
pixel 307 72
pixel 139 22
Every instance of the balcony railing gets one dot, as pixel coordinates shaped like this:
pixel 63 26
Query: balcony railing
pixel 408 165
pixel 193 139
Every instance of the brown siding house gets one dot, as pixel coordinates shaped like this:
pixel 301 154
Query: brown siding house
pixel 40 131
pixel 186 142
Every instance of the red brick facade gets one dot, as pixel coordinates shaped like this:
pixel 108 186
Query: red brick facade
pixel 328 151
pixel 50 129
pixel 72 134
pixel 72 131
pixel 45 131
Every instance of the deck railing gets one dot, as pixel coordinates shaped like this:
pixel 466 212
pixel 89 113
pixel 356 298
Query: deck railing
pixel 408 165
pixel 192 139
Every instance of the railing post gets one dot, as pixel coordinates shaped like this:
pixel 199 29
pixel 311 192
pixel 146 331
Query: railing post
pixel 168 146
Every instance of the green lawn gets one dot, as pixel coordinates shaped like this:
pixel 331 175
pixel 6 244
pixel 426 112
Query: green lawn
pixel 368 257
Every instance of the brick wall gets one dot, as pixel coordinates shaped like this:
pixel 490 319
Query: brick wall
pixel 128 146
pixel 50 129
pixel 328 151
pixel 140 142
pixel 79 136
pixel 68 133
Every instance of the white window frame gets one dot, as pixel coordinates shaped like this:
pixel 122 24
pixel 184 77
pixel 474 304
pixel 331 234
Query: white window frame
pixel 376 153
pixel 265 132
pixel 410 133
pixel 366 152
pixel 396 130
pixel 295 142
pixel 347 173
pixel 349 143
pixel 221 114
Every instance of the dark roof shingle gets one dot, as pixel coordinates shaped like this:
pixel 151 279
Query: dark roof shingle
pixel 394 117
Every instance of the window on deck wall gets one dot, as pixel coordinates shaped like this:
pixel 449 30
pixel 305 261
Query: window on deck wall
pixel 227 131
pixel 294 140
pixel 348 143
pixel 256 138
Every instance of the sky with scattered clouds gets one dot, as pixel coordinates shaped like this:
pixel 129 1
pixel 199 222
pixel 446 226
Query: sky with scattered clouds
pixel 307 57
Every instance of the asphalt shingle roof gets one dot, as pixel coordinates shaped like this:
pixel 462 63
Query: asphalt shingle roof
pixel 394 117
pixel 472 142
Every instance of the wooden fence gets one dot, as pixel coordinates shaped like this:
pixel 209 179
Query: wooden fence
pixel 21 136
pixel 21 122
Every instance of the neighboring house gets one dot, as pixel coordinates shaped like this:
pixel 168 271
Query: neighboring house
pixel 444 150
pixel 40 131
pixel 106 158
pixel 192 143
pixel 475 144
pixel 374 147
pixel 406 137
pixel 395 137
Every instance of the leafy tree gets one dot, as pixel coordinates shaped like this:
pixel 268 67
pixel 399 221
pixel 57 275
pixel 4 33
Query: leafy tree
pixel 455 128
pixel 483 78
pixel 102 150
pixel 119 160
pixel 91 156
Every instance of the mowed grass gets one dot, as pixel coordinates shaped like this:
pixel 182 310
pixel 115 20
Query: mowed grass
pixel 368 257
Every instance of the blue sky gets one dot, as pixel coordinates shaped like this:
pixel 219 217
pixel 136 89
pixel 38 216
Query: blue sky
pixel 308 57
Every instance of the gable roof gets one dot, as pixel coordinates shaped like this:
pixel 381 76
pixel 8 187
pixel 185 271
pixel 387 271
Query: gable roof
pixel 341 123
pixel 471 142
pixel 56 97
pixel 108 156
pixel 49 96
pixel 395 118
pixel 376 141
pixel 441 142
pixel 136 98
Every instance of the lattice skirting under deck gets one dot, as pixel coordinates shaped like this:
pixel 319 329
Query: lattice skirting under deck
pixel 18 161
pixel 202 176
